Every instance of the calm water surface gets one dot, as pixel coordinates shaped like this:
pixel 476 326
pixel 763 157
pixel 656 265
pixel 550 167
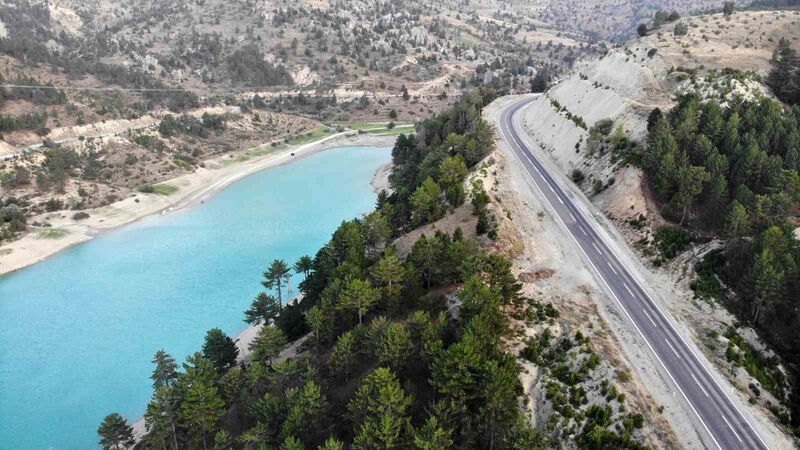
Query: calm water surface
pixel 78 331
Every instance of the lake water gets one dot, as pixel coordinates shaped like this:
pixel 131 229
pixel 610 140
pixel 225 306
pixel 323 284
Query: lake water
pixel 79 330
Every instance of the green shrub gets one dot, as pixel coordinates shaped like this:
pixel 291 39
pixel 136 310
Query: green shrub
pixel 577 176
pixel 671 241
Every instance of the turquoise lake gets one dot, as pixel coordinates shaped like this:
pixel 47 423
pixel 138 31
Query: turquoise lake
pixel 79 330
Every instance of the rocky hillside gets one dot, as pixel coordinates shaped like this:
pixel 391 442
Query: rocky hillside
pixel 612 20
pixel 598 125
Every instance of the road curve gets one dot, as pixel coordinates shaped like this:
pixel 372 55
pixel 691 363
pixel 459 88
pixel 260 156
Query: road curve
pixel 719 418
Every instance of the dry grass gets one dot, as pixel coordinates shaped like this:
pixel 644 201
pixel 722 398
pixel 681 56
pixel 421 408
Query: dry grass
pixel 744 42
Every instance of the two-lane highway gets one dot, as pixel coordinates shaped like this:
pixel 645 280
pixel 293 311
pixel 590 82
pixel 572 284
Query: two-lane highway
pixel 724 424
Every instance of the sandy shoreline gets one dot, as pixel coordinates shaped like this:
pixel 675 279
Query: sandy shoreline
pixel 193 189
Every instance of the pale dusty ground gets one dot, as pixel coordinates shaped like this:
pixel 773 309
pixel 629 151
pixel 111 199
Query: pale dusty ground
pixel 744 42
pixel 548 246
pixel 624 86
pixel 194 188
pixel 573 289
pixel 380 182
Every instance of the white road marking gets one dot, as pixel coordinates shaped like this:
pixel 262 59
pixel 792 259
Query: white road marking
pixel 562 201
pixel 552 190
pixel 651 319
pixel 676 354
pixel 612 268
pixel 683 394
pixel 734 431
pixel 596 248
pixel 584 231
pixel 629 289
pixel 701 387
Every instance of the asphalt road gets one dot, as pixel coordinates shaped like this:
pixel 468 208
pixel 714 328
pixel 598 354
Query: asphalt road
pixel 719 419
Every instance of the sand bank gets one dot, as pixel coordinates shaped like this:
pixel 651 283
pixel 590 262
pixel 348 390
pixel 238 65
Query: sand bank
pixel 192 189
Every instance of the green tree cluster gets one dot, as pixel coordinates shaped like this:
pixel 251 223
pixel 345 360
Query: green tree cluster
pixel 387 346
pixel 784 78
pixel 734 172
pixel 735 168
pixel 430 166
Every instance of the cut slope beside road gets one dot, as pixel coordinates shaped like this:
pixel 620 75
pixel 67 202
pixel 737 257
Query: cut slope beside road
pixel 714 411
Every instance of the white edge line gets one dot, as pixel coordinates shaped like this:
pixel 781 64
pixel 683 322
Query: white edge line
pixel 651 319
pixel 734 431
pixel 627 314
pixel 700 385
pixel 664 315
pixel 628 289
pixel 674 329
pixel 679 357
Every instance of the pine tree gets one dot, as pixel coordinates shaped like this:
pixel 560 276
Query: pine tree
pixel 737 223
pixel 394 346
pixel 784 78
pixel 769 279
pixel 332 444
pixel 291 443
pixel 427 203
pixel 660 142
pixel 165 372
pixel 376 230
pixel 540 81
pixel 161 416
pixel 433 436
pixel 690 183
pixel 306 408
pixel 452 172
pixel 267 345
pixel 264 309
pixel 380 408
pixel 358 296
pixel 389 274
pixel 202 408
pixel 220 349
pixel 304 265
pixel 115 433
pixel 343 354
pixel 277 276
pixel 319 323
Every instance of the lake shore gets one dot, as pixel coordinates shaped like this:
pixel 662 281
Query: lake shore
pixel 192 189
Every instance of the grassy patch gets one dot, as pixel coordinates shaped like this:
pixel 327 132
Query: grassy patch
pixel 52 233
pixel 182 163
pixel 377 127
pixel 315 135
pixel 161 189
pixel 393 132
pixel 361 125
pixel 253 153
pixel 165 189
